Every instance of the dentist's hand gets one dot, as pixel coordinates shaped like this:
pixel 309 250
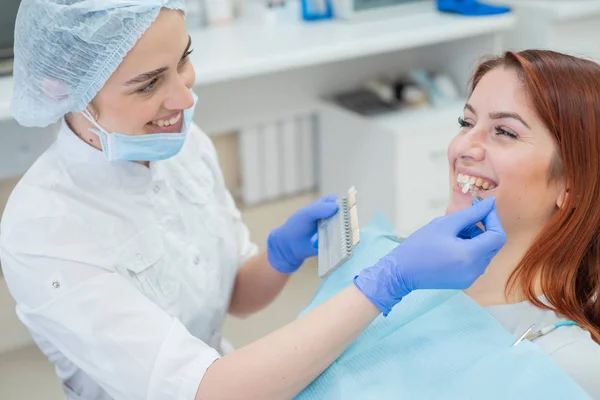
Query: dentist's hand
pixel 436 256
pixel 290 244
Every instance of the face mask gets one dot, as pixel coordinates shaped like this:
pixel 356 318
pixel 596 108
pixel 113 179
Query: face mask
pixel 149 147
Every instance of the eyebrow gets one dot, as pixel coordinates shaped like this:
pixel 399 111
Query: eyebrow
pixel 500 115
pixel 146 76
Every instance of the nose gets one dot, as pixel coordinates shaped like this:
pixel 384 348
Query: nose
pixel 180 96
pixel 472 145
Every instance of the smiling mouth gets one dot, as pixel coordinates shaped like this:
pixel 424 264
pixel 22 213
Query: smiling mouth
pixel 166 122
pixel 468 182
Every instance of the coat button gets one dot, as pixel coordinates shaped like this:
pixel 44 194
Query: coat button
pixel 196 260
pixel 156 188
pixel 56 285
pixel 139 256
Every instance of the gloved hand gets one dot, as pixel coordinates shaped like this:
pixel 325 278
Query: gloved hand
pixel 290 244
pixel 434 257
pixel 471 231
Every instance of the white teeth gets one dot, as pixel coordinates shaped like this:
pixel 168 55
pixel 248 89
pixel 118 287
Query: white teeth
pixel 466 182
pixel 168 122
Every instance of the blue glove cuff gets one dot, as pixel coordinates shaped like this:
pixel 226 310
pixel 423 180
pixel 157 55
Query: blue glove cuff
pixel 376 294
pixel 382 307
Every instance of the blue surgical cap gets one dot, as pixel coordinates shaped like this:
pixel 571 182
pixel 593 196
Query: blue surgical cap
pixel 65 51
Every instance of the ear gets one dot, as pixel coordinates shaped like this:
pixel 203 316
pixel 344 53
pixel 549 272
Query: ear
pixel 562 196
pixel 93 109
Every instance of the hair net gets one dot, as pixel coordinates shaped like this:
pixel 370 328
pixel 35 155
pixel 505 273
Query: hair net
pixel 65 51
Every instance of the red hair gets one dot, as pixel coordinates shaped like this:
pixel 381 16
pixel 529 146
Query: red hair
pixel 565 93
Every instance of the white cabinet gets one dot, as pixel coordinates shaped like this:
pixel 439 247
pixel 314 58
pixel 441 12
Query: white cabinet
pixel 397 162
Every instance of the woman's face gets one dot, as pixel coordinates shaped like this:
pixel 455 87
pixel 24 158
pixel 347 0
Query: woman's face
pixel 149 90
pixel 506 150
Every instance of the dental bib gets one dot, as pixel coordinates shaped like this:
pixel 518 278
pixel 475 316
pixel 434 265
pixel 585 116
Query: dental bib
pixel 433 345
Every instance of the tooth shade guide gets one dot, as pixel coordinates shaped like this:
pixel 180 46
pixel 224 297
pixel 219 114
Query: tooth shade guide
pixel 466 187
pixel 471 182
pixel 338 235
pixel 475 195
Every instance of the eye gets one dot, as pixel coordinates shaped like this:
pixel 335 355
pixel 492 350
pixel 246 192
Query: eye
pixel 463 123
pixel 149 87
pixel 185 57
pixel 504 132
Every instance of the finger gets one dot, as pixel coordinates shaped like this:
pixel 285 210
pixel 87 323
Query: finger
pixel 470 232
pixel 320 209
pixel 494 236
pixel 328 198
pixel 314 241
pixel 492 222
pixel 461 219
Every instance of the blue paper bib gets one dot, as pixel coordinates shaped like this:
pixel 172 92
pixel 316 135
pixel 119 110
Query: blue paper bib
pixel 433 345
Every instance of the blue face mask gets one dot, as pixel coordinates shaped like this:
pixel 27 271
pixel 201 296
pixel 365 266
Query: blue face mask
pixel 149 147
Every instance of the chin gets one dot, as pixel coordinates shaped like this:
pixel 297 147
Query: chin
pixel 454 206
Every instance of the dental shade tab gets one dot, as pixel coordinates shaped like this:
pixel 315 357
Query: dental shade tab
pixel 468 185
pixel 338 235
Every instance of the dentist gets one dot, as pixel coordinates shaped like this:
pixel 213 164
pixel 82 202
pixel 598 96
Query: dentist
pixel 123 249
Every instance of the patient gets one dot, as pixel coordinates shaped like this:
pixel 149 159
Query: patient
pixel 530 136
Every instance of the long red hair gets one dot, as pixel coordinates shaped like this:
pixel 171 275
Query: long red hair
pixel 565 92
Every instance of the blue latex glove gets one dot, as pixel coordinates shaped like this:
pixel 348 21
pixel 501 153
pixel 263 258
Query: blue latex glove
pixel 435 257
pixel 293 242
pixel 471 231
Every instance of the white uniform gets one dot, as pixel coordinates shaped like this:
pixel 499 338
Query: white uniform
pixel 122 273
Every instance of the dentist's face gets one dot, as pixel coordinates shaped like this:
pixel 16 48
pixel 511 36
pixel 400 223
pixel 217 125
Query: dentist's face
pixel 150 89
pixel 507 152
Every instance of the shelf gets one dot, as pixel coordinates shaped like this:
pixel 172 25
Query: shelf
pixel 448 112
pixel 556 9
pixel 251 47
pixel 248 48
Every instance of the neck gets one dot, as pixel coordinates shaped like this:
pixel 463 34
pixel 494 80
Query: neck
pixel 81 127
pixel 490 288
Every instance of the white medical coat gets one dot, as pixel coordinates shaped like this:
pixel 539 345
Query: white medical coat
pixel 123 274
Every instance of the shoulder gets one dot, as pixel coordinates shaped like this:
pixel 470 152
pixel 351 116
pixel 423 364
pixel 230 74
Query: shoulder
pixel 580 358
pixel 38 251
pixel 32 197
